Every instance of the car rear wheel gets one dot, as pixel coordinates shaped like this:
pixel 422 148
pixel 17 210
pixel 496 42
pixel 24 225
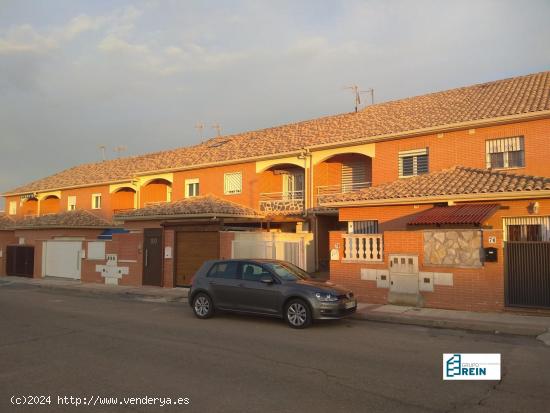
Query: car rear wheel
pixel 203 307
pixel 297 314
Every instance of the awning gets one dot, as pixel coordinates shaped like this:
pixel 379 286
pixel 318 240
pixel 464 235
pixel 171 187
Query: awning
pixel 108 233
pixel 466 214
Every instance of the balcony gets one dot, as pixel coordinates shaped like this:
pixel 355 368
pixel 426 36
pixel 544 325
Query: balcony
pixel 323 192
pixel 282 202
pixel 363 247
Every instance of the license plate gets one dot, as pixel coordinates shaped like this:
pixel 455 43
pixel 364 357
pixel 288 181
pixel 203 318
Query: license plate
pixel 350 304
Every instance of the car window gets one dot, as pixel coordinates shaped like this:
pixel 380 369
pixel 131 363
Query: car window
pixel 288 272
pixel 226 269
pixel 253 272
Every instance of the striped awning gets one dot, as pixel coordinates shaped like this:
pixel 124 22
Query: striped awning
pixel 467 214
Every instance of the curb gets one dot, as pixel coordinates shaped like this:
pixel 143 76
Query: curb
pixel 479 326
pixel 128 294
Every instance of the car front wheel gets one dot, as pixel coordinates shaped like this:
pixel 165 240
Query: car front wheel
pixel 203 307
pixel 297 314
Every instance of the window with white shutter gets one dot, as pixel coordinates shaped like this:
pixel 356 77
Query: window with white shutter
pixel 233 183
pixel 505 153
pixel 354 174
pixel 412 163
pixel 71 203
pixel 13 208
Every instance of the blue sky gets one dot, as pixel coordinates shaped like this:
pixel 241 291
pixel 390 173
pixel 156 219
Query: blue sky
pixel 79 74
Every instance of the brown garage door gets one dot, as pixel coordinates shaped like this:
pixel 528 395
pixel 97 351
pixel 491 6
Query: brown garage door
pixel 192 249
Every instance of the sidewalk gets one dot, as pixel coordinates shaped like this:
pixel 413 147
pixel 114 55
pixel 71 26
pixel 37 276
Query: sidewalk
pixel 145 293
pixel 507 323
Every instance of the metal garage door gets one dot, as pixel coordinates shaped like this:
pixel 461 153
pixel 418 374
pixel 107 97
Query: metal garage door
pixel 62 259
pixel 192 249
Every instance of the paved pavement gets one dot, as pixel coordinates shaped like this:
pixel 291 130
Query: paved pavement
pixel 63 343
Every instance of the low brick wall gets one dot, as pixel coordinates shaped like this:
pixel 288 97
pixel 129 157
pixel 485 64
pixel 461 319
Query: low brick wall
pixel 474 289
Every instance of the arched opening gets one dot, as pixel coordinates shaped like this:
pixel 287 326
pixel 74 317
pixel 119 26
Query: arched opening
pixel 342 173
pixel 157 190
pixel 123 199
pixel 50 205
pixel 30 207
pixel 282 189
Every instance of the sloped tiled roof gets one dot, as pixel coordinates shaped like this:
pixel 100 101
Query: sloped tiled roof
pixel 465 214
pixel 67 219
pixel 6 222
pixel 459 180
pixel 511 96
pixel 201 205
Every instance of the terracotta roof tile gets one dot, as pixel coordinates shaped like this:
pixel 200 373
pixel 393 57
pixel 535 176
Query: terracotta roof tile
pixel 466 214
pixel 459 180
pixel 512 96
pixel 67 219
pixel 200 205
pixel 6 222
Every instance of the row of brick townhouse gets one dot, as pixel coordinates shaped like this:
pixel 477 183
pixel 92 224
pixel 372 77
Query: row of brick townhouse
pixel 434 200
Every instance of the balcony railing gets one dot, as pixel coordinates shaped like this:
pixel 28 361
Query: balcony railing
pixel 363 247
pixel 282 202
pixel 325 191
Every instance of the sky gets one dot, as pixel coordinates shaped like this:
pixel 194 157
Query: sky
pixel 75 75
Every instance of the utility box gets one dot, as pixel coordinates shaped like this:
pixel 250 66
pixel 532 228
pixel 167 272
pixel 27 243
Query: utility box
pixel 491 254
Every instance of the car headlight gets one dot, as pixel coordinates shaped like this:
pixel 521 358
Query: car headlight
pixel 326 297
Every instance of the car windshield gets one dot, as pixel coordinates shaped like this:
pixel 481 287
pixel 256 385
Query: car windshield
pixel 287 271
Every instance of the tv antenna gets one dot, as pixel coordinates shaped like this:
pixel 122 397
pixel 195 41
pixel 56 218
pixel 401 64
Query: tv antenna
pixel 357 94
pixel 119 149
pixel 218 128
pixel 200 127
pixel 102 148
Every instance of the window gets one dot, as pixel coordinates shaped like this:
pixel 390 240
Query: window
pixel 13 208
pixel 412 163
pixel 505 153
pixel 253 272
pixel 227 270
pixel 233 183
pixel 363 227
pixel 71 203
pixel 191 188
pixel 354 173
pixel 96 201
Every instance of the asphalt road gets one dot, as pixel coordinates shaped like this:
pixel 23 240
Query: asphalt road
pixel 65 344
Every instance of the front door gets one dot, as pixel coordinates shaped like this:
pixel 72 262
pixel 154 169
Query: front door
pixel 20 260
pixel 152 257
pixel 255 295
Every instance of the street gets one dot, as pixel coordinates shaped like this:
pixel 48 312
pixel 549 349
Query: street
pixel 68 344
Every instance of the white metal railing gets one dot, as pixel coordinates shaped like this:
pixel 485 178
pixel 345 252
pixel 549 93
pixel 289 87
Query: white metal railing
pixel 363 247
pixel 282 202
pixel 324 191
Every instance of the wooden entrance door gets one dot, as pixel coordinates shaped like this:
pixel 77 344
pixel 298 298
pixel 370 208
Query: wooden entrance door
pixel 192 249
pixel 20 260
pixel 152 257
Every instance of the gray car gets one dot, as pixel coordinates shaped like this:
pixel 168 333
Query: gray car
pixel 267 287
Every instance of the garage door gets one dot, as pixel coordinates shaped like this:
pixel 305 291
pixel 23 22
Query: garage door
pixel 192 249
pixel 62 259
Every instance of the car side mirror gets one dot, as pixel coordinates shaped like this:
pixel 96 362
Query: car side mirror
pixel 266 279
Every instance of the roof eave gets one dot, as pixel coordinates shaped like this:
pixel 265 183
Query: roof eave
pixel 488 196
pixel 183 216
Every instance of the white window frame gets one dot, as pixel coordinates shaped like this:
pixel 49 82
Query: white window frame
pixel 193 181
pixel 227 185
pixel 504 146
pixel 415 153
pixel 94 198
pixel 71 203
pixel 12 208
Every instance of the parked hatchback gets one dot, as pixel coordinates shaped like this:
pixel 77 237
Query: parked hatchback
pixel 267 287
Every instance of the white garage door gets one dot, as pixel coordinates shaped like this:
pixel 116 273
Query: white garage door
pixel 62 259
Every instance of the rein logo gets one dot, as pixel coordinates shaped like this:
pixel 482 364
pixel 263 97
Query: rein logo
pixel 465 366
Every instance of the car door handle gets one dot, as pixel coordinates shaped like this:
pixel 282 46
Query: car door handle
pixel 212 283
